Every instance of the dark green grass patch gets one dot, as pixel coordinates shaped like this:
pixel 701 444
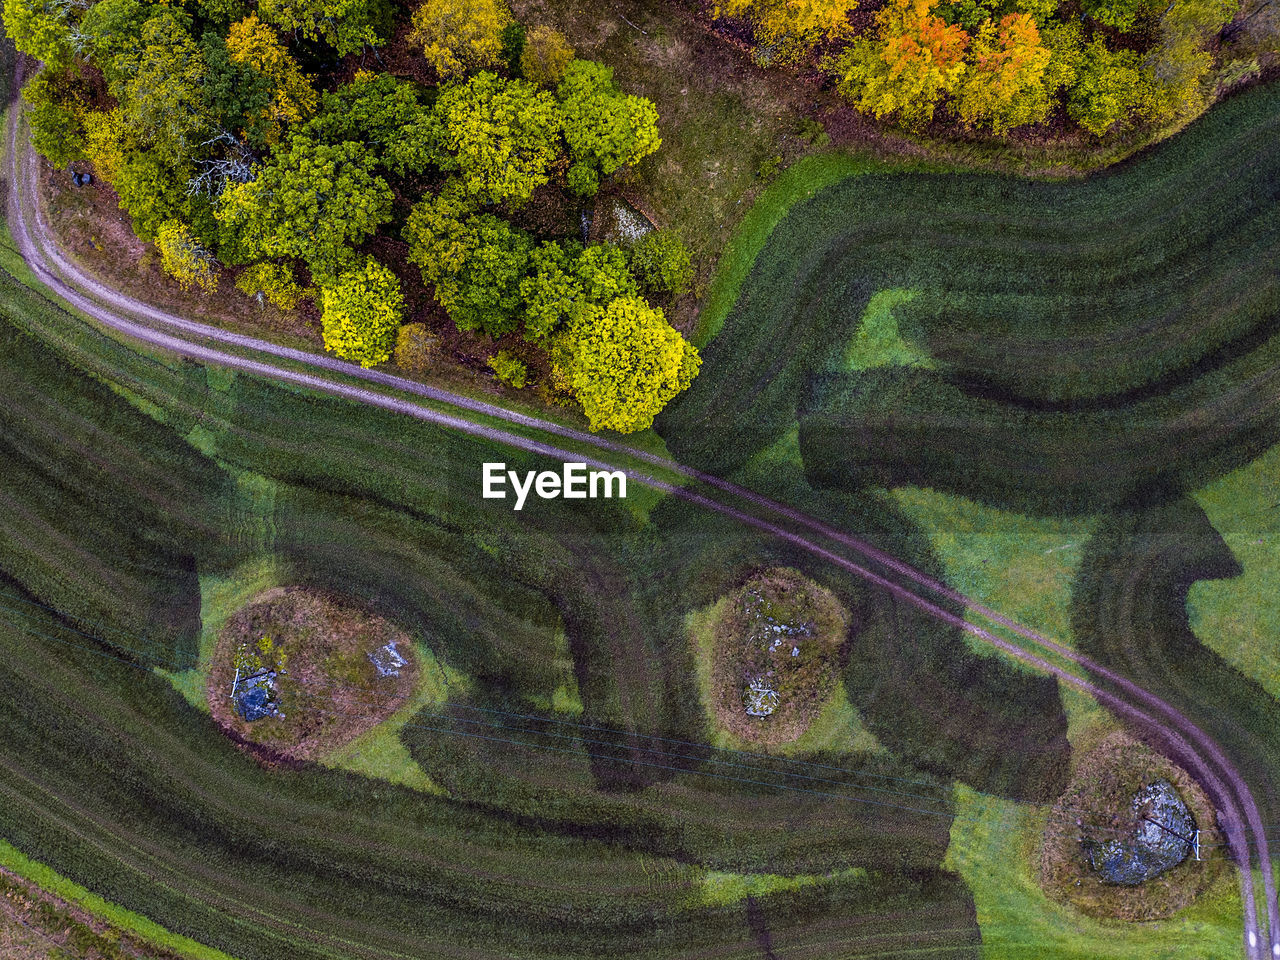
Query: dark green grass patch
pixel 1097 320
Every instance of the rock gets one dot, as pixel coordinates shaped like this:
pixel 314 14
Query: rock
pixel 1160 839
pixel 759 699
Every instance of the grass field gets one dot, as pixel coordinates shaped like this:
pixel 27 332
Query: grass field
pixel 1069 375
pixel 556 783
pixel 596 832
pixel 994 847
pixel 1239 618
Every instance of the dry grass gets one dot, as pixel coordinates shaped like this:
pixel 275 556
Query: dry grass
pixel 1105 781
pixel 330 692
pixel 804 682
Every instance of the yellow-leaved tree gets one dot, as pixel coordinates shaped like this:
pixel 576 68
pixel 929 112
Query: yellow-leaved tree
pixel 256 44
pixel 787 29
pixel 185 259
pixel 1004 84
pixel 624 362
pixel 459 36
pixel 362 311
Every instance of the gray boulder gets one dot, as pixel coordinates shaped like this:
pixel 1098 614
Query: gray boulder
pixel 1160 838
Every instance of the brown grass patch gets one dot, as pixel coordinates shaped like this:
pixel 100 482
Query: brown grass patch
pixel 1098 796
pixel 330 692
pixel 772 614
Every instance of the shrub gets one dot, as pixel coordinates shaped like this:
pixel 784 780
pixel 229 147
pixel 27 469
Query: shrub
pixel 415 347
pixel 185 259
pixel 274 281
pixel 660 261
pixel 509 368
pixel 362 310
pixel 546 54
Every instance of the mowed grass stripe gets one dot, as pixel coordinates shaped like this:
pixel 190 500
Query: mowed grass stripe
pixel 1119 294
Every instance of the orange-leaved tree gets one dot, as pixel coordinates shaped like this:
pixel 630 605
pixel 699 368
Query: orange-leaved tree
pixel 1004 83
pixel 914 59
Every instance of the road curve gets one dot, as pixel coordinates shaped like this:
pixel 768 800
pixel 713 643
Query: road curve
pixel 1177 735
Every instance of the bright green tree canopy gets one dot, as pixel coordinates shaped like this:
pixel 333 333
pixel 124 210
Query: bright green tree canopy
pixel 503 135
pixel 383 112
pixel 362 312
pixel 314 201
pixel 604 128
pixel 626 363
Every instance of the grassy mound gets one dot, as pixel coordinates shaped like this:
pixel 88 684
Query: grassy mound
pixel 782 635
pixel 1097 801
pixel 327 690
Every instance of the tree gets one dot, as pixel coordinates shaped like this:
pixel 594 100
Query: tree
pixel 914 60
pixel 385 113
pixel 503 136
pixel 661 262
pixel 40 29
pixel 1120 15
pixel 509 368
pixel 349 26
pixel 1003 86
pixel 474 262
pixel 604 128
pixel 546 54
pixel 485 293
pixel 361 313
pixel 437 232
pixel 565 280
pixel 1176 67
pixel 787 29
pixel 163 95
pixel 255 44
pixel 275 281
pixel 239 97
pixel 313 201
pixel 152 187
pixel 56 130
pixel 625 362
pixel 459 36
pixel 110 34
pixel 602 272
pixel 1107 89
pixel 185 259
pixel 550 290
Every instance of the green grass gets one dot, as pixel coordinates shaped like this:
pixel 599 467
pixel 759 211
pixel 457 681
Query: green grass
pixel 1021 566
pixel 801 181
pixel 722 889
pixel 994 845
pixel 134 791
pixel 221 595
pixel 1239 617
pixel 151 933
pixel 878 342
